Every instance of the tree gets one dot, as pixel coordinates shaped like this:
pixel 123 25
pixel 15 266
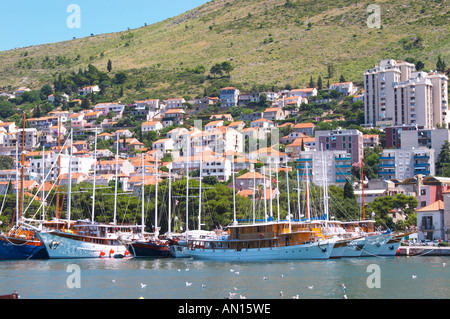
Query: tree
pixel 45 91
pixel 109 67
pixel 331 70
pixel 319 83
pixel 227 67
pixel 443 161
pixel 216 69
pixel 440 65
pixel 348 190
pixel 311 82
pixel 342 79
pixel 120 78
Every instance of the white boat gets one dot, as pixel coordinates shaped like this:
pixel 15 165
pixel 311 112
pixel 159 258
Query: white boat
pixel 262 242
pixel 88 239
pixel 85 240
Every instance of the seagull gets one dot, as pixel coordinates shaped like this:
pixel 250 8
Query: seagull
pixel 113 281
pixel 232 270
pixel 264 278
pixel 235 289
pixel 242 297
pixel 282 276
pixel 414 276
pixel 203 286
pixel 443 264
pixel 143 285
pixel 310 287
pixel 345 296
pixel 231 295
pixel 343 286
pixel 295 297
pixel 178 269
pixel 187 269
pixel 236 272
pixel 188 284
pixel 281 293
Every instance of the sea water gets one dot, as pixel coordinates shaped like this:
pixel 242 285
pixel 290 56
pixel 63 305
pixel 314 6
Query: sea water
pixel 415 277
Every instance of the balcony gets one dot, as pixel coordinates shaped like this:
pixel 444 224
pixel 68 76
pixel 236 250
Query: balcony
pixel 387 165
pixel 383 158
pixel 421 157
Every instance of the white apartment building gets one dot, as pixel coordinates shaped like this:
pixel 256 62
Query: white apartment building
pixel 334 167
pixel 406 163
pixel 50 164
pixel 105 108
pixel 395 94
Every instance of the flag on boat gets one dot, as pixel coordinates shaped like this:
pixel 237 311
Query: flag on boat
pixel 176 202
pixel 273 180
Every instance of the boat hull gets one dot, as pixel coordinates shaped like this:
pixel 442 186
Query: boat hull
pixel 148 249
pixel 374 245
pixel 12 248
pixel 312 251
pixel 59 246
pixel 391 247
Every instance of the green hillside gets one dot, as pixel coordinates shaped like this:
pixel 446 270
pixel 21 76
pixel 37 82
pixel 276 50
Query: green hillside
pixel 270 43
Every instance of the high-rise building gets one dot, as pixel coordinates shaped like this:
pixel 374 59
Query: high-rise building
pixel 397 95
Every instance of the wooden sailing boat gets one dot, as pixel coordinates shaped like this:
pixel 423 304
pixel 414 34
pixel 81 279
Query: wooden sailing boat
pixel 87 239
pixel 149 246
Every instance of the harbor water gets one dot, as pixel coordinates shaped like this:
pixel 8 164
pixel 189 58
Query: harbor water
pixel 397 277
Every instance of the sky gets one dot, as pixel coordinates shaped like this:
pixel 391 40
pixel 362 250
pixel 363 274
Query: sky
pixel 32 22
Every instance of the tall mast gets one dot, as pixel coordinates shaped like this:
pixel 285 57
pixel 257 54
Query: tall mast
pixel 254 191
pixel 234 193
pixel 17 183
pixel 307 192
pixel 69 195
pixel 200 194
pixel 43 182
pixel 59 167
pixel 278 196
pixel 187 184
pixel 22 168
pixel 95 176
pixel 265 201
pixel 298 195
pixel 156 197
pixel 117 177
pixel 287 185
pixel 270 191
pixel 170 201
pixel 362 194
pixel 142 195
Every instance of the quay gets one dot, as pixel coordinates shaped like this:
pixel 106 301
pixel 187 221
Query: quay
pixel 423 251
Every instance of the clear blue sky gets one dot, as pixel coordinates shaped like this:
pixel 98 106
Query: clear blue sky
pixel 31 22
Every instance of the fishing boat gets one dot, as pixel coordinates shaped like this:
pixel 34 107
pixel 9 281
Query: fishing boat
pixel 87 238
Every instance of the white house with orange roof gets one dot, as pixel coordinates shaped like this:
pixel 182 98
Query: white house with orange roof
pixel 218 166
pixel 150 126
pixel 173 117
pixel 164 145
pixel 229 96
pixel 237 125
pixel 225 117
pixel 267 155
pixel 292 101
pixel 274 113
pixel 88 90
pixel 251 180
pixel 344 88
pixel 175 103
pixel 371 140
pixel 305 128
pixel 105 108
pixel 308 92
pixel 214 124
pixel 91 117
pixel 105 136
pixel 9 127
pixel 262 123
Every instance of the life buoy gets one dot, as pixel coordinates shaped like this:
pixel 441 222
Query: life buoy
pixel 261 235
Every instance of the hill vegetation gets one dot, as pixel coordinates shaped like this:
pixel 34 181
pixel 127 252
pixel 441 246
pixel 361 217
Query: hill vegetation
pixel 268 44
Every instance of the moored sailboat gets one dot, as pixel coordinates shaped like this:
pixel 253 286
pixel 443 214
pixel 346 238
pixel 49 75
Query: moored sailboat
pixel 84 238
